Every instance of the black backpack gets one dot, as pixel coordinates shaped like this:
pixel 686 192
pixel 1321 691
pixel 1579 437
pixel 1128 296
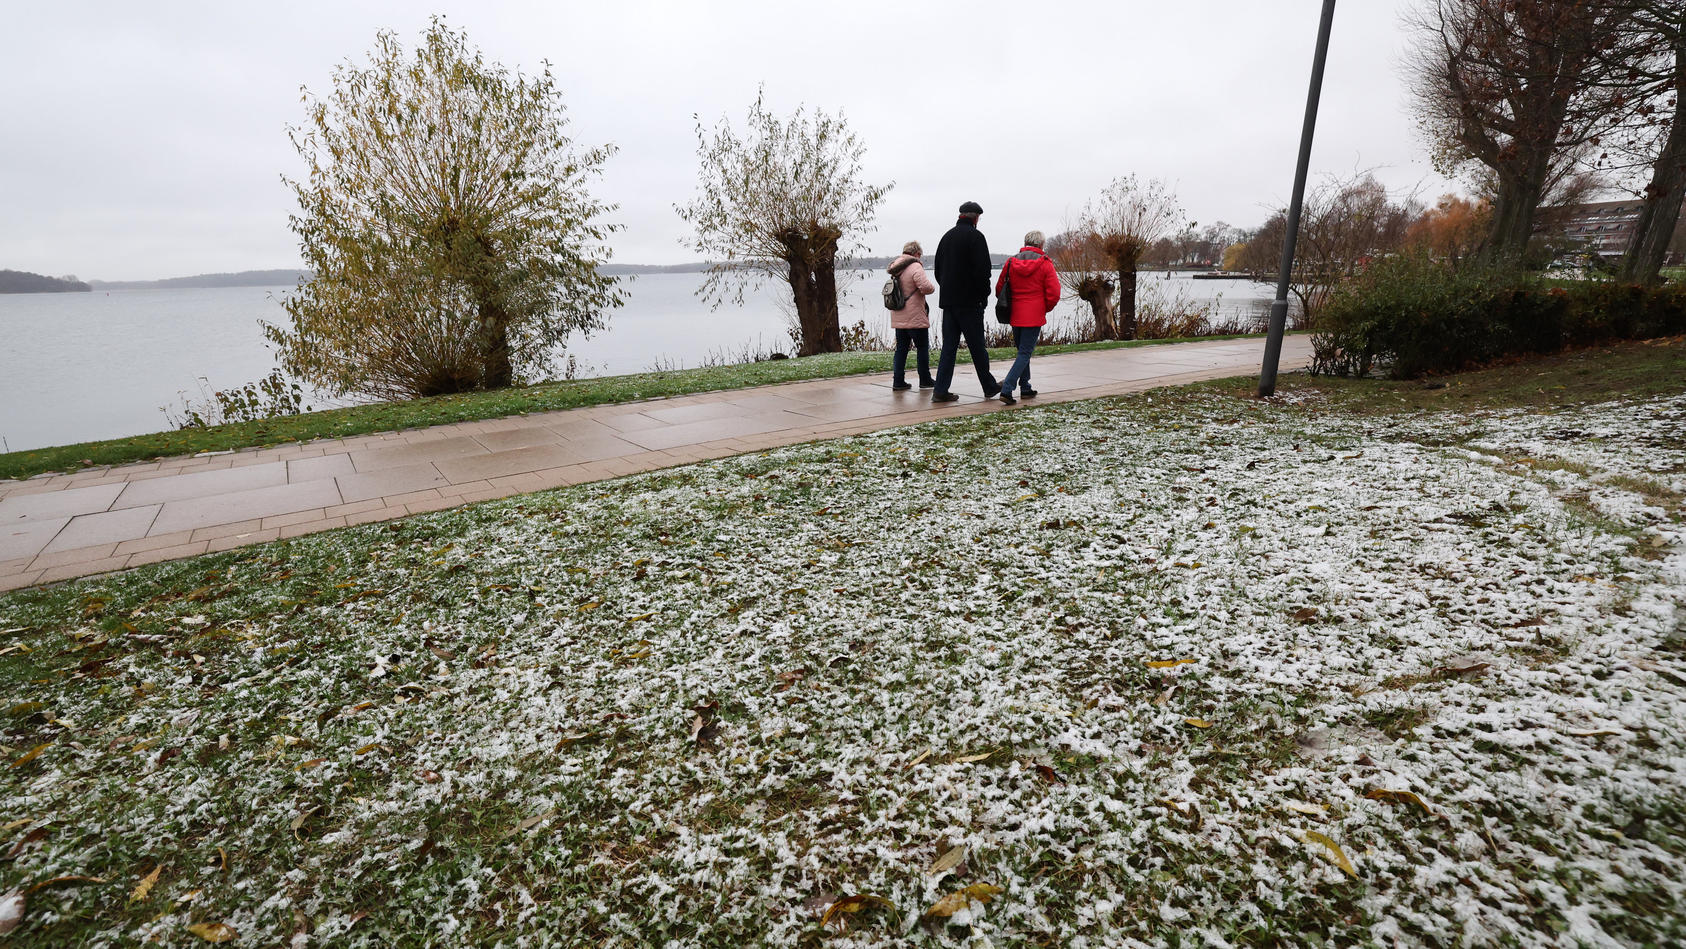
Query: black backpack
pixel 1004 299
pixel 895 298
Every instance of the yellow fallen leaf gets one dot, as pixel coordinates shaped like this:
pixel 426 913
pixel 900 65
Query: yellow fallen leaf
pixel 145 885
pixel 14 825
pixel 371 746
pixel 1198 722
pixel 307 765
pixel 922 756
pixel 213 932
pixel 968 759
pixel 32 754
pixel 1399 797
pixel 850 904
pixel 1026 497
pixel 586 607
pixel 1169 663
pixel 960 899
pixel 1334 850
pixel 947 861
pixel 639 618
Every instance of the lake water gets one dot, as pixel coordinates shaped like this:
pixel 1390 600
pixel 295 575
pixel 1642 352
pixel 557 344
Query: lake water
pixel 77 367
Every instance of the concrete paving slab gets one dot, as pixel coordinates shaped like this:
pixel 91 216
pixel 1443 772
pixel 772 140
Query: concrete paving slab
pixel 25 539
pixel 108 527
pixel 202 484
pixel 193 513
pixel 52 505
pixel 368 485
pixel 405 454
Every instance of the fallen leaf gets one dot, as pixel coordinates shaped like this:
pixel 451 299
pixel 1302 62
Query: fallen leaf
pixel 31 754
pixel 307 765
pixel 430 777
pixel 922 756
pixel 1399 797
pixel 213 932
pixel 442 653
pixel 530 823
pixel 1049 774
pixel 304 815
pixel 1305 615
pixel 14 825
pixel 11 911
pixel 850 905
pixel 1169 663
pixel 1198 722
pixel 1595 733
pixel 1335 850
pixel 960 899
pixel 588 607
pixel 947 861
pixel 968 759
pixel 145 885
pixel 68 879
pixel 1315 810
pixel 371 746
pixel 1470 669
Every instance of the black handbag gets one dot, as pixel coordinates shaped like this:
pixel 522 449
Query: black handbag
pixel 1004 299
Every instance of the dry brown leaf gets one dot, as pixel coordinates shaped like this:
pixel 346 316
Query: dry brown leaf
pixel 304 815
pixel 850 905
pixel 922 756
pixel 1306 614
pixel 948 860
pixel 213 932
pixel 1594 733
pixel 442 653
pixel 962 898
pixel 1049 774
pixel 144 887
pixel 968 759
pixel 307 765
pixel 1335 851
pixel 530 823
pixel 1314 810
pixel 430 777
pixel 66 879
pixel 1169 663
pixel 1470 669
pixel 1400 797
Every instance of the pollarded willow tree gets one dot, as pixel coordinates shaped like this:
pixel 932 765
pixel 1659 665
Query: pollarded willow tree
pixel 1129 217
pixel 448 225
pixel 781 200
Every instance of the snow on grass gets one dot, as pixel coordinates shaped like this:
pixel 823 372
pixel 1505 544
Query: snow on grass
pixel 700 707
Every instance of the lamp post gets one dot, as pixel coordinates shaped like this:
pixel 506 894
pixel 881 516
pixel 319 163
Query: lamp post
pixel 1279 307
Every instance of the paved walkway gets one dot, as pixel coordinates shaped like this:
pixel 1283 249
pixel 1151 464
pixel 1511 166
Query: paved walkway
pixel 54 527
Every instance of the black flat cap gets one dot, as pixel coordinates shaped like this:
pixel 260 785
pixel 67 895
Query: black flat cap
pixel 970 207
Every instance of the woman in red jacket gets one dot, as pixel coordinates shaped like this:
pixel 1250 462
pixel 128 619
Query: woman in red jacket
pixel 1035 289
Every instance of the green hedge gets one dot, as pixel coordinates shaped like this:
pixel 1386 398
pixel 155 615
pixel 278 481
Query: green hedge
pixel 1409 316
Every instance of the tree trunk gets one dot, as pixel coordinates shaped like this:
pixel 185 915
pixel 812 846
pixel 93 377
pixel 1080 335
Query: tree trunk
pixel 1514 208
pixel 496 372
pixel 1654 231
pixel 813 283
pixel 1125 325
pixel 1097 292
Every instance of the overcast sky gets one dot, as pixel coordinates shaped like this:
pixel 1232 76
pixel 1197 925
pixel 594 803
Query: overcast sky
pixel 145 140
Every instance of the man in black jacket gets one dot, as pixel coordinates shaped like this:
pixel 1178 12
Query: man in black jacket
pixel 963 272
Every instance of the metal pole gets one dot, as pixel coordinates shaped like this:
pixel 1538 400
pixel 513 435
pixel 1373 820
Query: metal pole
pixel 1279 307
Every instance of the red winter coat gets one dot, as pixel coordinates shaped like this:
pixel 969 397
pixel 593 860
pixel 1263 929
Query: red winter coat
pixel 1036 287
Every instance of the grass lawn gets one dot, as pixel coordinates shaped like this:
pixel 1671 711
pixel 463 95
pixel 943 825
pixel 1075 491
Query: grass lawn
pixel 1369 664
pixel 472 406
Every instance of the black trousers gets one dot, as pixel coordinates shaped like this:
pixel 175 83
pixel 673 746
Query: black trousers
pixel 909 339
pixel 967 323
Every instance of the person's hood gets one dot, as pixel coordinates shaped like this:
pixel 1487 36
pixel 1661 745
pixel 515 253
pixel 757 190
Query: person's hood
pixel 900 261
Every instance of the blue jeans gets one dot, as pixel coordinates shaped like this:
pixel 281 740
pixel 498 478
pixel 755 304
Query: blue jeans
pixel 1019 375
pixel 967 323
pixel 909 339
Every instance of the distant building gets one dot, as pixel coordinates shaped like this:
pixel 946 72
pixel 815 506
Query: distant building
pixel 1605 228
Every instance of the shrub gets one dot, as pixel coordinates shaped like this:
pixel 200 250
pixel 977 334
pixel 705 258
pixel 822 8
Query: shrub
pixel 273 396
pixel 1411 315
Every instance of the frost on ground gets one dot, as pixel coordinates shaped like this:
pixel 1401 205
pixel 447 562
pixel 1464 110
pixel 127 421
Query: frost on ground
pixel 1181 670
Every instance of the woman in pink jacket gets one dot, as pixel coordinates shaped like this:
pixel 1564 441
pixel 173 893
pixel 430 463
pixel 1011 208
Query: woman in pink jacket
pixel 912 322
pixel 1035 289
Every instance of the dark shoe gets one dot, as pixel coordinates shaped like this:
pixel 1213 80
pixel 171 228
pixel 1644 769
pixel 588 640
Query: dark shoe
pixel 944 397
pixel 927 383
pixel 993 390
pixel 901 387
pixel 1027 393
pixel 1007 398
